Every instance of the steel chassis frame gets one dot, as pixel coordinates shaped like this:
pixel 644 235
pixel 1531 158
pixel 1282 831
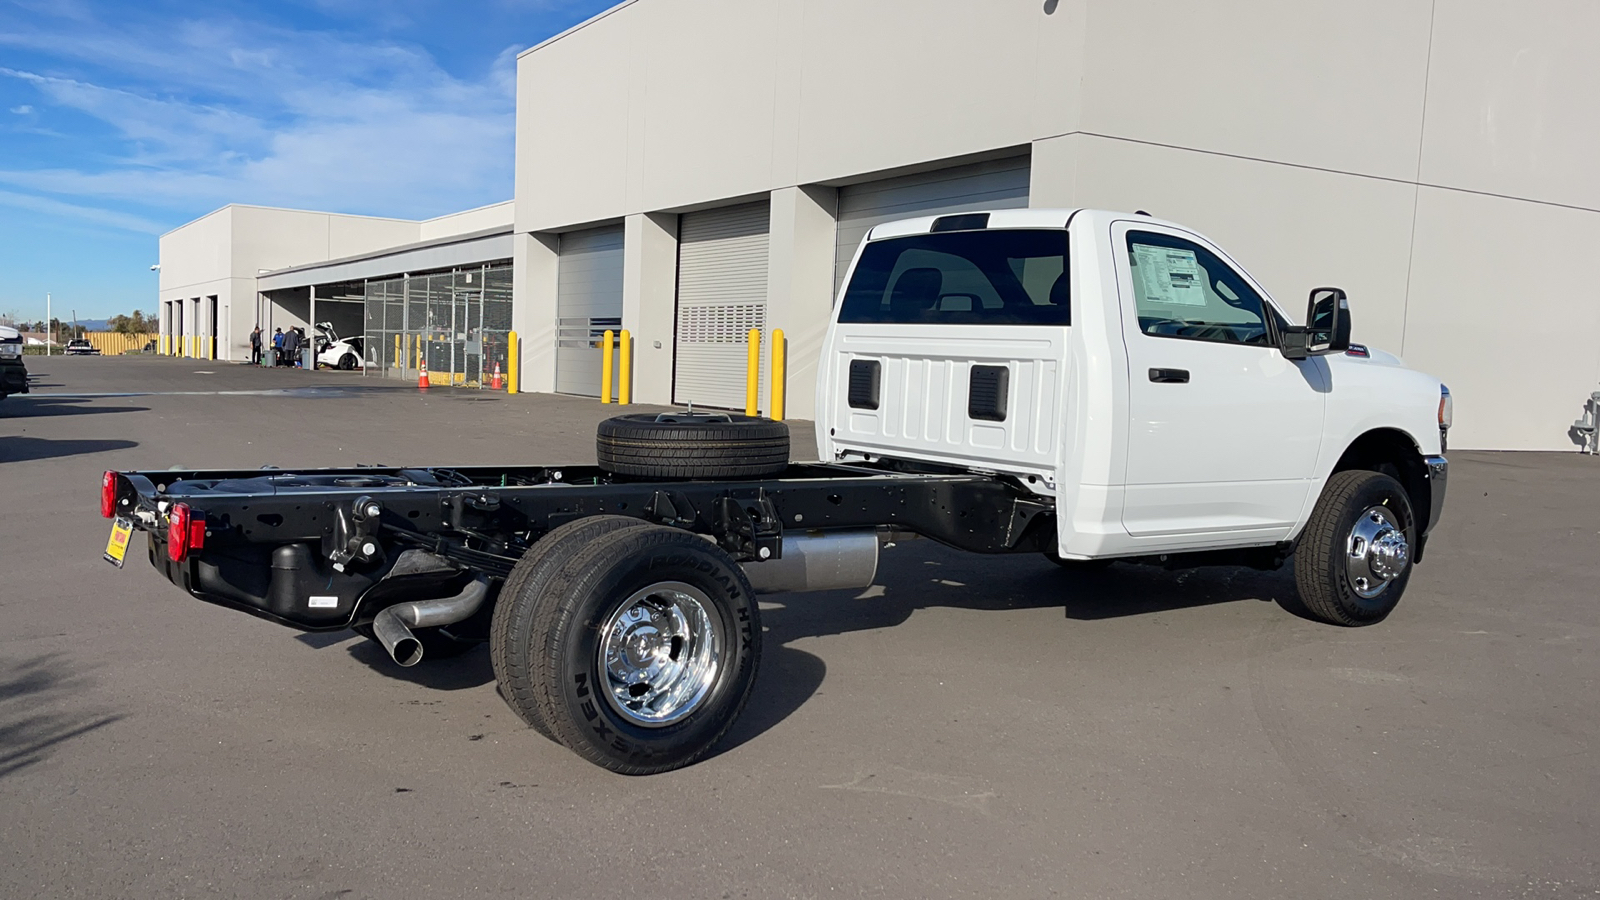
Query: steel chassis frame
pixel 274 538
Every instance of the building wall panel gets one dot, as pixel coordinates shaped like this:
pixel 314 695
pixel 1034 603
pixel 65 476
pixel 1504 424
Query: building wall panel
pixel 1336 84
pixel 1502 309
pixel 1511 100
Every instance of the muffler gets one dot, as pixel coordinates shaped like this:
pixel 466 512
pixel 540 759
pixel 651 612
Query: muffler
pixel 392 627
pixel 818 561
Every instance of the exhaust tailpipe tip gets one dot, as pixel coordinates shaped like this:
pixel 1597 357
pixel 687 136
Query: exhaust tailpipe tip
pixel 392 627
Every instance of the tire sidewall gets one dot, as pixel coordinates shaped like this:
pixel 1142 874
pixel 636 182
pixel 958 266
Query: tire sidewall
pixel 670 557
pixel 1380 491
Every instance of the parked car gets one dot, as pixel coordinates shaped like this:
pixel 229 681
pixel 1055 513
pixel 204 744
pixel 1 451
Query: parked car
pixel 81 347
pixel 336 352
pixel 13 372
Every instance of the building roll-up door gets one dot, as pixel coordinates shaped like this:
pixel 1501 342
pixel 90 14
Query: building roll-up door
pixel 722 294
pixel 588 302
pixel 996 184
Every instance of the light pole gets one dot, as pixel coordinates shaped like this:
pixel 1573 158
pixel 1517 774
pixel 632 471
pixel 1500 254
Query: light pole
pixel 48 336
pixel 161 317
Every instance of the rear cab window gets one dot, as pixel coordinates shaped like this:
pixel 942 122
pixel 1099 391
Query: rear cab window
pixel 988 277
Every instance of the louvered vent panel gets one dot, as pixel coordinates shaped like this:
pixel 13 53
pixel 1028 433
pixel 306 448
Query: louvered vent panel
pixel 866 375
pixel 987 393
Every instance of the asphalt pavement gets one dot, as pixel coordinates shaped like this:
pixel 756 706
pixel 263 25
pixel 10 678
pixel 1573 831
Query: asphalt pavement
pixel 967 727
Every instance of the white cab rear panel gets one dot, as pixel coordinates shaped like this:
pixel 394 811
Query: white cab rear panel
pixel 924 395
pixel 925 375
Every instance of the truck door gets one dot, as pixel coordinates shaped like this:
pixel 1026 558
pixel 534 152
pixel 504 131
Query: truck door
pixel 1223 432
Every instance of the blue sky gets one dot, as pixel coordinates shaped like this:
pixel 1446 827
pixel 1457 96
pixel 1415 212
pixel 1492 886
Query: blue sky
pixel 121 120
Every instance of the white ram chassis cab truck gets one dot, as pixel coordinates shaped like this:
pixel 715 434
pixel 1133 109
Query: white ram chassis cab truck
pixel 1088 385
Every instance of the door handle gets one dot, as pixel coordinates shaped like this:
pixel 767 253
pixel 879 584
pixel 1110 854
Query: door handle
pixel 1169 376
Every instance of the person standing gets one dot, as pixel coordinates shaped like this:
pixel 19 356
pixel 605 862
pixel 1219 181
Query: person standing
pixel 255 346
pixel 277 347
pixel 291 346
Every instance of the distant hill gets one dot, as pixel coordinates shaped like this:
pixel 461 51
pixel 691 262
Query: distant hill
pixel 92 324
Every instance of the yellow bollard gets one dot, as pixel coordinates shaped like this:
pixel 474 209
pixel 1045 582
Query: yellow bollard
pixel 399 360
pixel 625 375
pixel 213 348
pixel 605 366
pixel 780 360
pixel 752 371
pixel 512 356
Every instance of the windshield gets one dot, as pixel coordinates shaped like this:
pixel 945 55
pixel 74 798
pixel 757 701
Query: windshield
pixel 1001 277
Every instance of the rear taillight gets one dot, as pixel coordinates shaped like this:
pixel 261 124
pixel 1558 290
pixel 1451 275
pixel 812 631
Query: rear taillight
pixel 108 494
pixel 186 532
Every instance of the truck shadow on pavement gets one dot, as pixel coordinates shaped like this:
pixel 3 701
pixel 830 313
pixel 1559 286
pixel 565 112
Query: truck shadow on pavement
pixel 931 576
pixel 32 722
pixel 20 449
pixel 26 407
pixel 911 579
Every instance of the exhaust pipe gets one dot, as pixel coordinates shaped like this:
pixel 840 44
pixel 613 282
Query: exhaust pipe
pixel 392 627
pixel 818 561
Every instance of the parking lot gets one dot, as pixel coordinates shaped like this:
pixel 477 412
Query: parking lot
pixel 968 726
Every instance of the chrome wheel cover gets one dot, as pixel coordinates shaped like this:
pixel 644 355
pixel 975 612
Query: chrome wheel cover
pixel 1376 552
pixel 660 653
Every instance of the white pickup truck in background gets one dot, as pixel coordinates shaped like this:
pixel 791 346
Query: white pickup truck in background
pixel 1129 369
pixel 1088 385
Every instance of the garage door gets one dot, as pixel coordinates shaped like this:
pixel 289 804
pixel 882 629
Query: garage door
pixel 722 294
pixel 998 184
pixel 588 301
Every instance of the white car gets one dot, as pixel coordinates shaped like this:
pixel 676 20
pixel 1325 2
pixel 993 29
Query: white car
pixel 338 353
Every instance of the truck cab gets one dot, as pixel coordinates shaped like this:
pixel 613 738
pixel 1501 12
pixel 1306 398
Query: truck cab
pixel 1126 367
pixel 13 372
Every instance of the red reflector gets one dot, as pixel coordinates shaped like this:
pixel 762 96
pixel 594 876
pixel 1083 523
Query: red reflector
pixel 186 532
pixel 108 494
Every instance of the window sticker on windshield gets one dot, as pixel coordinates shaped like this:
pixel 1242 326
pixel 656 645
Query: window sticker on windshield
pixel 1168 275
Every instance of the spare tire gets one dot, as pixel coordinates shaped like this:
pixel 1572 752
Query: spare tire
pixel 692 445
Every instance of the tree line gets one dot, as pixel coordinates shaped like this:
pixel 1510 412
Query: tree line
pixel 138 323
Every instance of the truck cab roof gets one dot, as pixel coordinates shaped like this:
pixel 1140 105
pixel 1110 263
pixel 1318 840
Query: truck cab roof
pixel 1006 218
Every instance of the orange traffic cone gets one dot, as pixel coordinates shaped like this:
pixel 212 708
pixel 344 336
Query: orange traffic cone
pixel 422 377
pixel 495 383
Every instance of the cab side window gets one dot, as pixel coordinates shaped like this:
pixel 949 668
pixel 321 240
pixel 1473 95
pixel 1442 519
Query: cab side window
pixel 1181 290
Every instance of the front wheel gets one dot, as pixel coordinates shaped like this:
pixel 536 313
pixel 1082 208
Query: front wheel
pixel 347 361
pixel 640 653
pixel 1354 559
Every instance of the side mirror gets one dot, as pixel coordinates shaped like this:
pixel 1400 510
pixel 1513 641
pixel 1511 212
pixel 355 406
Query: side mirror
pixel 1328 321
pixel 1327 328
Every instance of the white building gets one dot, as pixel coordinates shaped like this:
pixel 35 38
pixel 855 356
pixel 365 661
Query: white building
pixel 687 169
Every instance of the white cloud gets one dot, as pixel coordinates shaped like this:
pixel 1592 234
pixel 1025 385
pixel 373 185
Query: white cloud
pixel 125 221
pixel 22 110
pixel 209 112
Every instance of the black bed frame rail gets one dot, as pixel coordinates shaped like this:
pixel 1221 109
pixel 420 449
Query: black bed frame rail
pixel 323 549
pixel 975 512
